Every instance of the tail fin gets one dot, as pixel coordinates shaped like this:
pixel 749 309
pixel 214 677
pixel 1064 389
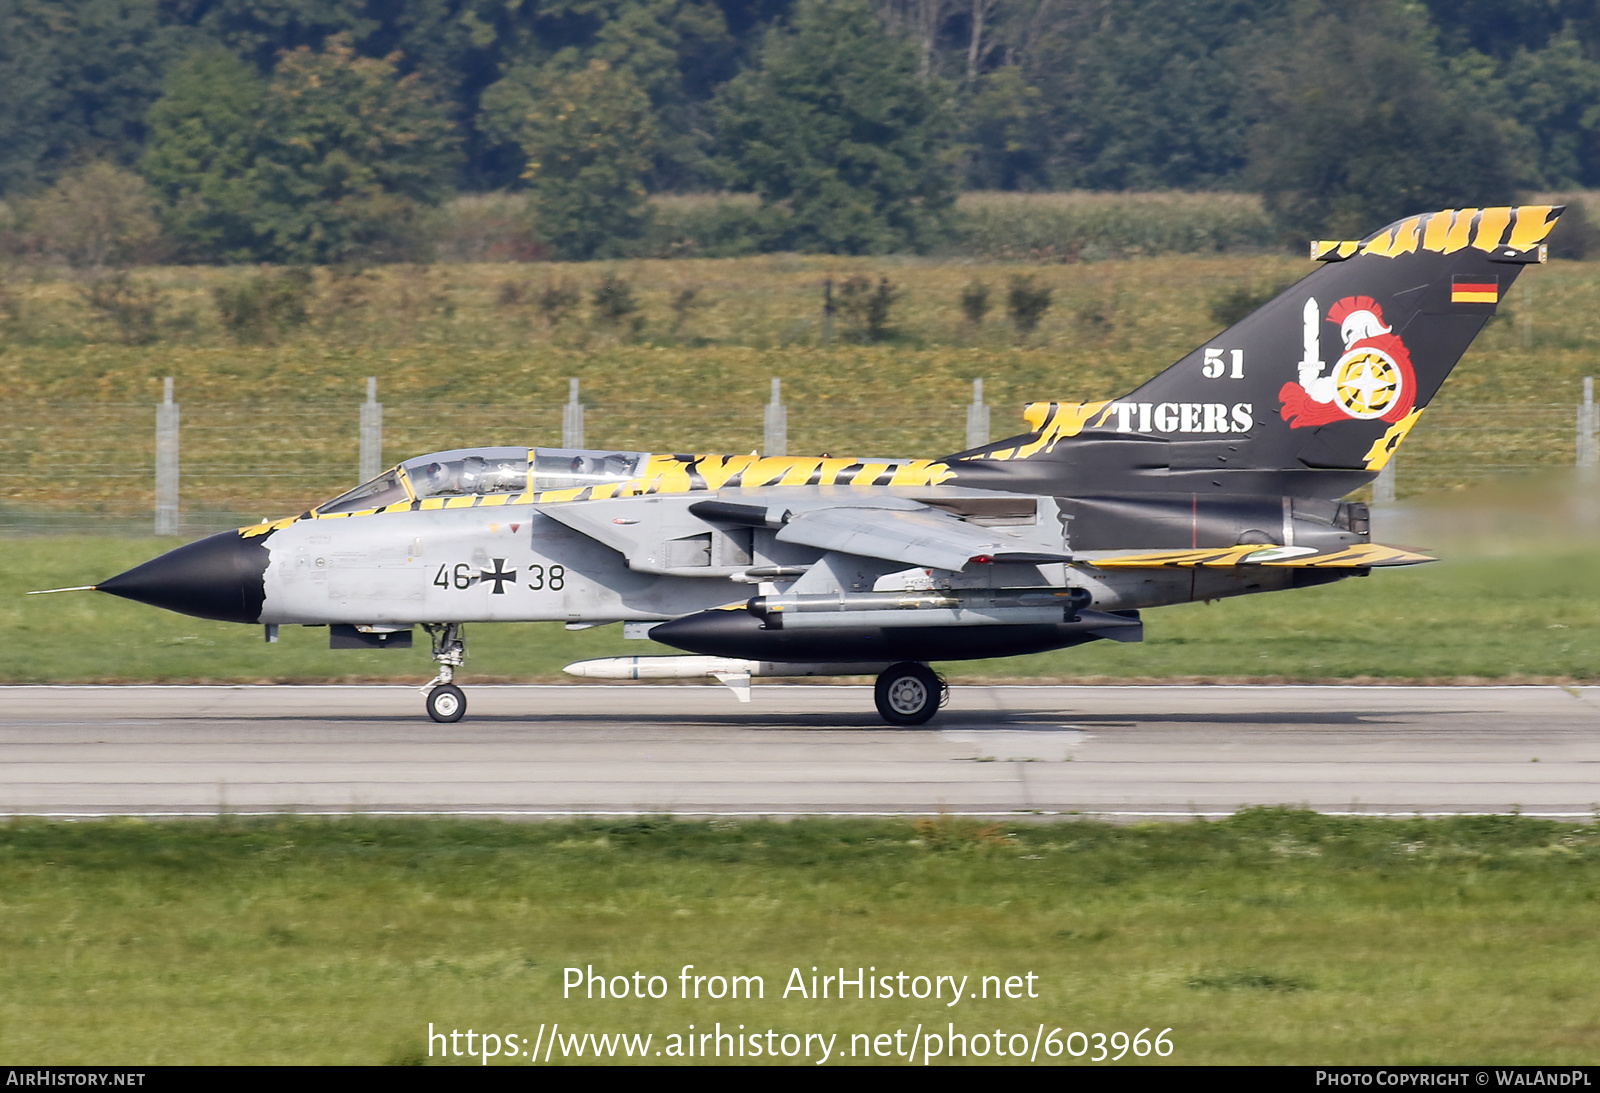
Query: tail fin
pixel 1311 394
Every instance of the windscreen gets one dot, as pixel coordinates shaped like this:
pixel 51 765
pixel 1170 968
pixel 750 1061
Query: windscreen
pixel 386 489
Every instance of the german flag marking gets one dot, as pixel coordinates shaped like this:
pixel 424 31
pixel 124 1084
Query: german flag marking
pixel 1474 292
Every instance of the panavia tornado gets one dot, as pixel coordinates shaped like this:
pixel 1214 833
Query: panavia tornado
pixel 1222 476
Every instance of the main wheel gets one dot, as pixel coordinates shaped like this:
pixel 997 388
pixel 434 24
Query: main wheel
pixel 908 694
pixel 446 703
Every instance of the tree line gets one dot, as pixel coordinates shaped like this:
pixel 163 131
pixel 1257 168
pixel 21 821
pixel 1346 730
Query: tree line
pixel 322 130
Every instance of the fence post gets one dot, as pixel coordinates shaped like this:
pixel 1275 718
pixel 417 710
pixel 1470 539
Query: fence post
pixel 371 434
pixel 827 310
pixel 1383 485
pixel 1588 432
pixel 572 419
pixel 167 462
pixel 777 423
pixel 977 418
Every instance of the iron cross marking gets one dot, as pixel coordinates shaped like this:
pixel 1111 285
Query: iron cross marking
pixel 500 576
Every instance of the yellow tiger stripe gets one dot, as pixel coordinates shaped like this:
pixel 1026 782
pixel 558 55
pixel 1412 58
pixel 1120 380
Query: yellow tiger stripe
pixel 1384 447
pixel 1460 234
pixel 1405 237
pixel 1533 224
pixel 1354 557
pixel 1491 226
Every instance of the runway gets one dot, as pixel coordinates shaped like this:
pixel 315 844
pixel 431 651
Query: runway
pixel 1126 753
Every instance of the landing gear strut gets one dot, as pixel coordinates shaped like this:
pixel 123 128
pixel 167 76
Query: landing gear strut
pixel 445 702
pixel 909 694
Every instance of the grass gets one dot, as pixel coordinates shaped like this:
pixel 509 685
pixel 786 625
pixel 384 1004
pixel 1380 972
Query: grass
pixel 463 356
pixel 1272 937
pixel 1532 613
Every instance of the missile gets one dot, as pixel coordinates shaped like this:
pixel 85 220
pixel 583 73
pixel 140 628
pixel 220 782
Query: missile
pixel 696 667
pixel 731 672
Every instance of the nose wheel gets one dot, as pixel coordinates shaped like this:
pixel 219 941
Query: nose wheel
pixel 909 694
pixel 444 701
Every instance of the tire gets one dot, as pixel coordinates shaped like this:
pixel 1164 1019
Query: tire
pixel 446 704
pixel 908 694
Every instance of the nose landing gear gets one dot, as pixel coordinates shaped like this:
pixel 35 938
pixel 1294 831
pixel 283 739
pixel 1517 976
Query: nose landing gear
pixel 445 702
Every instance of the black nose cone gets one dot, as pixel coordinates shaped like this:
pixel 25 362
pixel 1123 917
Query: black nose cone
pixel 217 578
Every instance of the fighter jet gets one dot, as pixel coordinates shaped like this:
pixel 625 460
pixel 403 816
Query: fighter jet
pixel 1224 475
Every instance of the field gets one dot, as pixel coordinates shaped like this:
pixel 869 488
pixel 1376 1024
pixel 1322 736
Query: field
pixel 1272 937
pixel 466 354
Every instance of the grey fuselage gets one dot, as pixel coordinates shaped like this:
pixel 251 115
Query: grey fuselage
pixel 515 563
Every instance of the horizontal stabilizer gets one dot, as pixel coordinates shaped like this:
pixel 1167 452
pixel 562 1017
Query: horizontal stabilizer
pixel 1360 556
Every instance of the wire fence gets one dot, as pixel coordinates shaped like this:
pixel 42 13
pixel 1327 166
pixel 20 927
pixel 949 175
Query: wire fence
pixel 90 467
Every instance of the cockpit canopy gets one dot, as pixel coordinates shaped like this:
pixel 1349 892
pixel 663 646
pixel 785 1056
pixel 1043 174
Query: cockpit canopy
pixel 467 472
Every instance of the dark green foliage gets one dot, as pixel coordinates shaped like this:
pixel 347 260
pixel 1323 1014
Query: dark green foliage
pixel 556 301
pixel 1149 94
pixel 1026 302
pixel 261 307
pixel 1230 305
pixel 130 306
pixel 612 303
pixel 295 130
pixel 835 130
pixel 588 136
pixel 76 78
pixel 975 302
pixel 1554 93
pixel 684 303
pixel 349 152
pixel 511 293
pixel 1008 133
pixel 204 139
pixel 865 307
pixel 1365 126
pixel 333 159
pixel 1497 28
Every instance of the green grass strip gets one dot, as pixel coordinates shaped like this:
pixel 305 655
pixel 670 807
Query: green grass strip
pixel 1273 937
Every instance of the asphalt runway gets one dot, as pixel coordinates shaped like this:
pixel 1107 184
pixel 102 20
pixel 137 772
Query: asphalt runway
pixel 1116 752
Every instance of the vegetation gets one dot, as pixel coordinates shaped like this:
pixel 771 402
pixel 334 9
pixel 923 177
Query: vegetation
pixel 326 131
pixel 838 137
pixel 1272 937
pixel 269 411
pixel 264 306
pixel 1026 302
pixel 865 307
pixel 589 138
pixel 1364 119
pixel 330 158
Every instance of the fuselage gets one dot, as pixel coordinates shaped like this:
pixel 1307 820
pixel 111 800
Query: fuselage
pixel 510 555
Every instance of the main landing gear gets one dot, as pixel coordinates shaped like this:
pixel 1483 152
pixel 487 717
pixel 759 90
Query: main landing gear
pixel 445 702
pixel 909 693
